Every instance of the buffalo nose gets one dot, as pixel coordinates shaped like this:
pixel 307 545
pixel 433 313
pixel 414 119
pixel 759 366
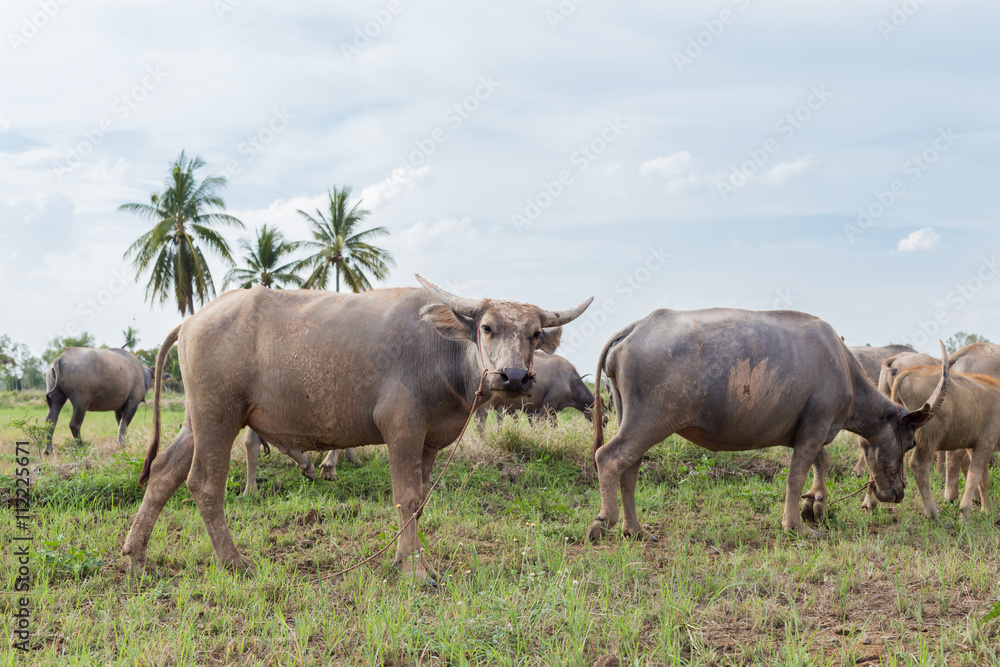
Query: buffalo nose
pixel 517 379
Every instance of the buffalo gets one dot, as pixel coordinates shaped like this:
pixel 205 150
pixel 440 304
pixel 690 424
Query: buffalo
pixel 557 386
pixel 320 371
pixel 253 443
pixel 99 380
pixel 732 380
pixel 968 419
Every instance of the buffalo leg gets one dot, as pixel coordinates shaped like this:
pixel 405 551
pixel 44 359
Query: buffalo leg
pixel 328 468
pixel 352 456
pixel 56 400
pixel 816 497
pixel 618 455
pixel 921 463
pixel 76 421
pixel 631 526
pixel 252 445
pixel 481 414
pixel 124 420
pixel 169 469
pixel 957 464
pixel 407 461
pixel 977 469
pixel 305 465
pixel 805 451
pixel 207 483
pixel 860 468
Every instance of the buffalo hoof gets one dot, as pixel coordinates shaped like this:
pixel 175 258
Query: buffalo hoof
pixel 140 567
pixel 250 492
pixel 597 531
pixel 242 566
pixel 641 534
pixel 807 513
pixel 328 472
pixel 311 475
pixel 418 571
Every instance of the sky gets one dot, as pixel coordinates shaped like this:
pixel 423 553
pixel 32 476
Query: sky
pixel 835 157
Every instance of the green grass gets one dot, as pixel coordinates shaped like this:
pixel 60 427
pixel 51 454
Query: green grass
pixel 723 586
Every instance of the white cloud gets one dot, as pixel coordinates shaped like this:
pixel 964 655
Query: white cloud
pixel 922 239
pixel 781 172
pixel 677 168
pixel 670 166
pixel 402 180
pixel 4 124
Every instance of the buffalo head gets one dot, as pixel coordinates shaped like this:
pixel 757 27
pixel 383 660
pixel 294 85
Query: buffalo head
pixel 895 435
pixel 506 333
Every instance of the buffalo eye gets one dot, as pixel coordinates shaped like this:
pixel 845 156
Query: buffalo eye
pixel 537 335
pixel 486 328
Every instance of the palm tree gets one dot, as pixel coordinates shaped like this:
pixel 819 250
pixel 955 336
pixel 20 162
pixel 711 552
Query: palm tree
pixel 183 220
pixel 131 338
pixel 263 258
pixel 342 249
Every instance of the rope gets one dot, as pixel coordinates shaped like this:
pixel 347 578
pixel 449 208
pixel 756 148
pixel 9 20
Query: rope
pixel 864 487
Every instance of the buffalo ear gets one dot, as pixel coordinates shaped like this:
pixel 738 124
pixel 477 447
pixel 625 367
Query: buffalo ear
pixel 915 419
pixel 449 324
pixel 550 339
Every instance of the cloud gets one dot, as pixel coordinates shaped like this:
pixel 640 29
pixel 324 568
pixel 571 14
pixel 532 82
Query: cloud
pixel 677 168
pixel 922 239
pixel 781 172
pixel 402 180
pixel 4 124
pixel 670 166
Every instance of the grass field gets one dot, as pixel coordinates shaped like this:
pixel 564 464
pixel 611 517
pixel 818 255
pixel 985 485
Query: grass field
pixel 723 586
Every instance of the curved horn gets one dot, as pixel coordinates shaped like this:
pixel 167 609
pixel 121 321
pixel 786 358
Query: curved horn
pixel 461 306
pixel 937 398
pixel 552 318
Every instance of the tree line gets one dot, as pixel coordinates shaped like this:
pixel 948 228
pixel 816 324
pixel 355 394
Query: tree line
pixel 187 217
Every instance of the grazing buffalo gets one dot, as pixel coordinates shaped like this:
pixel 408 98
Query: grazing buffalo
pixel 99 380
pixel 950 464
pixel 892 365
pixel 557 386
pixel 979 358
pixel 318 370
pixel 732 380
pixel 871 358
pixel 253 443
pixel 968 419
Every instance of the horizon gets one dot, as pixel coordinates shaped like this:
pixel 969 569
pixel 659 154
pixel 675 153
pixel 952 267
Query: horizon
pixel 836 158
